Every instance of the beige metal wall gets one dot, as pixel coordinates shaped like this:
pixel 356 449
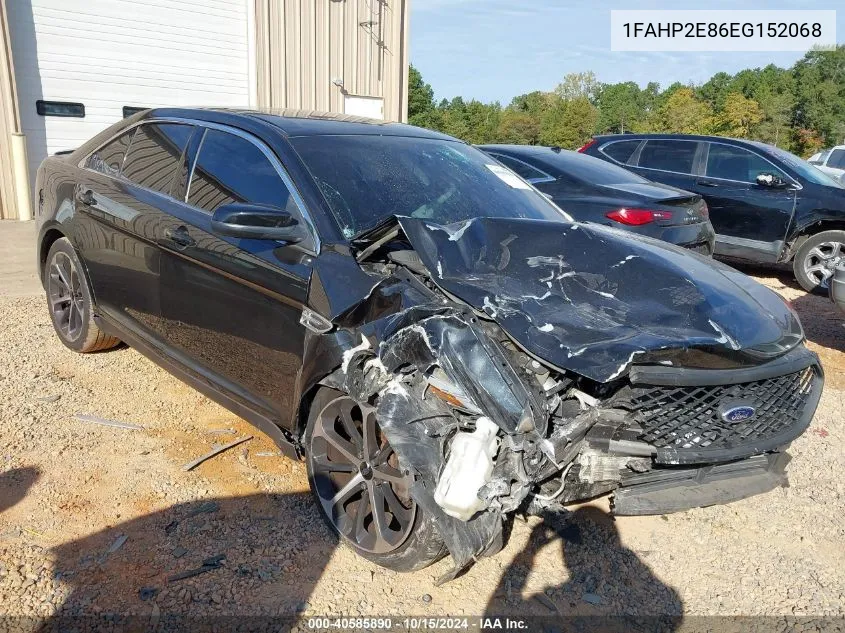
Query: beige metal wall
pixel 9 121
pixel 304 46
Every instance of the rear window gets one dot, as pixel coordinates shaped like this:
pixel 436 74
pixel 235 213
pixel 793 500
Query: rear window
pixel 155 153
pixel 592 170
pixel 668 155
pixel 620 151
pixel 523 169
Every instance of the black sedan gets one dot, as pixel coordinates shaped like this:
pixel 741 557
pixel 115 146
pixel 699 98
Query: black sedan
pixel 433 336
pixel 766 205
pixel 592 190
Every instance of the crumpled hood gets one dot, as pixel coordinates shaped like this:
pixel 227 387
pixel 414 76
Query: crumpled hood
pixel 594 299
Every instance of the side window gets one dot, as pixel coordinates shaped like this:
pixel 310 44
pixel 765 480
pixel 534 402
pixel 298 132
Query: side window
pixel 837 159
pixel 736 163
pixel 109 158
pixel 155 154
pixel 620 150
pixel 232 169
pixel 523 169
pixel 668 155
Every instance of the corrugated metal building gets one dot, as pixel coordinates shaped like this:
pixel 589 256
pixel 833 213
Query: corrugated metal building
pixel 70 68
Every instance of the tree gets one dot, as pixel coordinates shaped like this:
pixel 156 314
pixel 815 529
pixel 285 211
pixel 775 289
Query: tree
pixel 739 115
pixel 715 90
pixel 578 85
pixel 682 113
pixel 620 107
pixel 777 118
pixel 420 98
pixel 820 93
pixel 518 127
pixel 568 123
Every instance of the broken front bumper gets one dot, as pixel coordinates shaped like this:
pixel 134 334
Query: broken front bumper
pixel 665 490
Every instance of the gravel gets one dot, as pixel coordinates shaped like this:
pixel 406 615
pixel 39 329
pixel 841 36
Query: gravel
pixel 70 490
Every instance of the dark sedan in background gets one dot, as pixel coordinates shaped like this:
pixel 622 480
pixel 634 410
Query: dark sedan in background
pixel 766 205
pixel 592 190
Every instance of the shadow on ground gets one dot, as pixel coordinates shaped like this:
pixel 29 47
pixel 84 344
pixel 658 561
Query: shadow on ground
pixel 15 484
pixel 606 579
pixel 257 555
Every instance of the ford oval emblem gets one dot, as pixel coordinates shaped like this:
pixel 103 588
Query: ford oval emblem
pixel 738 414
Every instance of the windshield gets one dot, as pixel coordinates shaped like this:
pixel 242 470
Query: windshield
pixel 802 168
pixel 367 178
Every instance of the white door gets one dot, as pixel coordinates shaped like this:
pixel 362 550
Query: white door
pixel 106 55
pixel 370 107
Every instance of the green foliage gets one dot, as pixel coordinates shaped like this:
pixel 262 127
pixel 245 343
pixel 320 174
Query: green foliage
pixel 739 116
pixel 800 108
pixel 683 113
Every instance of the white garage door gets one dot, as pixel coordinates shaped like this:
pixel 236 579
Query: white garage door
pixel 108 54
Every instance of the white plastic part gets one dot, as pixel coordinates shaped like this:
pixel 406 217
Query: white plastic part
pixel 470 466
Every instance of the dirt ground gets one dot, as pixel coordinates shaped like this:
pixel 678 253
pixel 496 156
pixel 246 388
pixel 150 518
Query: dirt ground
pixel 96 519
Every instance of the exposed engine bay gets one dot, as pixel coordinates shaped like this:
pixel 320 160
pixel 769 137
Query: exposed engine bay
pixel 510 380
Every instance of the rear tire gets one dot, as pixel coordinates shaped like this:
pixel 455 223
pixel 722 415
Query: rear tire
pixel 817 258
pixel 70 301
pixel 334 454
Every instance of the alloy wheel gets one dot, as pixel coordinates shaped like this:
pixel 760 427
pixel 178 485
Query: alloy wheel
pixel 822 260
pixel 357 478
pixel 64 292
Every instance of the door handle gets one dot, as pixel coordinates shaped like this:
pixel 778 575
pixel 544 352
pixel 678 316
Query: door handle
pixel 180 237
pixel 86 197
pixel 706 183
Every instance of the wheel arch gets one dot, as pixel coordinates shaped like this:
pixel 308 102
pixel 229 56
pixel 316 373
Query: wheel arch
pixel 49 237
pixel 803 233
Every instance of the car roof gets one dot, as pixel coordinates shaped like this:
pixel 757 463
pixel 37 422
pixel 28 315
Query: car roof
pixel 678 137
pixel 293 123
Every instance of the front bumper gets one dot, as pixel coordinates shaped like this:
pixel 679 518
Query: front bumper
pixel 666 490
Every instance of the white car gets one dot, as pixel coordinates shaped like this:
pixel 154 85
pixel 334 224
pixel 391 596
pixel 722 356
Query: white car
pixel 831 162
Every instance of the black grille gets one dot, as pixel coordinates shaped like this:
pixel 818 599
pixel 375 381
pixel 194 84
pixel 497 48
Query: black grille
pixel 690 418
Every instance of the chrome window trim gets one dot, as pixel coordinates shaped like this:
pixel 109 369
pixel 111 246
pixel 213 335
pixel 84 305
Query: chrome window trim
pixel 268 153
pixel 545 178
pixel 639 141
pixel 792 181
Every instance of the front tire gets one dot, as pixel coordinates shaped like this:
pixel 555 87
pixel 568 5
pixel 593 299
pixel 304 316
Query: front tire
pixel 817 258
pixel 361 489
pixel 69 300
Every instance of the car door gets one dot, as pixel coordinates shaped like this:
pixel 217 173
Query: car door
pixel 750 219
pixel 232 306
pixel 122 204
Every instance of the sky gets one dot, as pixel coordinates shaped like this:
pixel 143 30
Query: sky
pixel 493 50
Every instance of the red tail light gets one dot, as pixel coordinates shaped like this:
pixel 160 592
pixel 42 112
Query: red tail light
pixel 638 217
pixel 586 145
pixel 705 212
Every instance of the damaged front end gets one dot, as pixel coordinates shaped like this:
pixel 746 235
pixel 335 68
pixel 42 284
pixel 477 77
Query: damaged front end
pixel 503 375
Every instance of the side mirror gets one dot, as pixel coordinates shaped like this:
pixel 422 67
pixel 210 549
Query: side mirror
pixel 256 222
pixel 771 180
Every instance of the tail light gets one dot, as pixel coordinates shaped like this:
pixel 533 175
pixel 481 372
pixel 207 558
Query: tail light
pixel 638 217
pixel 704 211
pixel 587 145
